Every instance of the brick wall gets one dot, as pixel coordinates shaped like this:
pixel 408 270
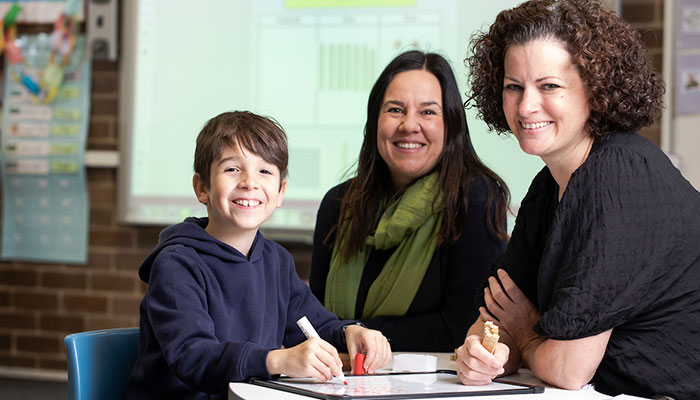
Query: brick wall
pixel 41 303
pixel 647 16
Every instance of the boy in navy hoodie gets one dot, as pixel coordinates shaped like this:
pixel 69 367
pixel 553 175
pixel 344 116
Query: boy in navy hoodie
pixel 223 301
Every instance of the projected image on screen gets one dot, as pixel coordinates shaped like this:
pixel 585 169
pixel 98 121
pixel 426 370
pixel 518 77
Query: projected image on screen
pixel 310 64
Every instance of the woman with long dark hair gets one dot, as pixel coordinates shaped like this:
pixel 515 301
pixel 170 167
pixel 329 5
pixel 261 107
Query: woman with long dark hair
pixel 403 244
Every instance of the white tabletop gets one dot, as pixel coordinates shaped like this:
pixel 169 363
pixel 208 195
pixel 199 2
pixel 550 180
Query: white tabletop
pixel 245 391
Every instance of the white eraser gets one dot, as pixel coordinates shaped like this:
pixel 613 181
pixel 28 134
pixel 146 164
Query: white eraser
pixel 414 363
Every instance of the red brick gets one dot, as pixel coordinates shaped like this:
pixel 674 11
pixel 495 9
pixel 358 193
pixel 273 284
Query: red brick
pixel 102 195
pixel 61 323
pixel 110 323
pixel 111 237
pixel 105 83
pixel 100 128
pixel 38 344
pixel 103 106
pixel 147 238
pixel 102 144
pixel 5 342
pixel 104 217
pixel 15 277
pixel 14 320
pixel 17 361
pixel 126 305
pixel 56 363
pixel 302 258
pixel 100 260
pixel 113 282
pixel 638 12
pixel 652 38
pixel 86 303
pixel 4 298
pixel 104 65
pixel 36 301
pixel 102 176
pixel 131 261
pixel 64 280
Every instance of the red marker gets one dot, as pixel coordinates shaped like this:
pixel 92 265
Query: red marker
pixel 359 364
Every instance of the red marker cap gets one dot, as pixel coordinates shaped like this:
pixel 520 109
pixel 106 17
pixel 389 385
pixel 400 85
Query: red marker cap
pixel 359 364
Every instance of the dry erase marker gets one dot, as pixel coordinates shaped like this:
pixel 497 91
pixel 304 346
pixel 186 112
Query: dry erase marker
pixel 310 332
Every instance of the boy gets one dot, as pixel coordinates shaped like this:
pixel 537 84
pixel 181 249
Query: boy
pixel 222 300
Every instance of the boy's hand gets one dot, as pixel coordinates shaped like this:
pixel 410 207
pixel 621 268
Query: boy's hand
pixel 313 358
pixel 371 342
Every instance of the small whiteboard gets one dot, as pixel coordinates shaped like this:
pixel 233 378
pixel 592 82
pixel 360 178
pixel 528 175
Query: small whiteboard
pixel 394 386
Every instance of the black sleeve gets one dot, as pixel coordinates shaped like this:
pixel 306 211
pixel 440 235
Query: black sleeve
pixel 326 218
pixel 524 251
pixel 615 249
pixel 455 272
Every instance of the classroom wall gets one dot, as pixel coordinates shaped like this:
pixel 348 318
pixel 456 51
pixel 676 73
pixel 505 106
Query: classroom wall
pixel 41 303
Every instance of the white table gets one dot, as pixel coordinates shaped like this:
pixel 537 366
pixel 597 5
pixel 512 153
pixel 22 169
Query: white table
pixel 245 391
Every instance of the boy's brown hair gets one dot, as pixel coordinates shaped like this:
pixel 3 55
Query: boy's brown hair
pixel 260 135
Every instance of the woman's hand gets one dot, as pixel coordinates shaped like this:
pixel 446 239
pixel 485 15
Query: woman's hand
pixel 476 365
pixel 375 346
pixel 513 310
pixel 313 358
pixel 565 363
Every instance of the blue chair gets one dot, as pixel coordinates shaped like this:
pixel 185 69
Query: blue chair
pixel 99 362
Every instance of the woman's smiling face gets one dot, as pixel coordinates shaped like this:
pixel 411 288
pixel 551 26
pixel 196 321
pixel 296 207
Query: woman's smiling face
pixel 411 129
pixel 544 99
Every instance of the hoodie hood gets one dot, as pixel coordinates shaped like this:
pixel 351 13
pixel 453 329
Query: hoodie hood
pixel 191 233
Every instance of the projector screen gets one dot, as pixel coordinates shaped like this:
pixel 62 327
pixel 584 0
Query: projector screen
pixel 310 64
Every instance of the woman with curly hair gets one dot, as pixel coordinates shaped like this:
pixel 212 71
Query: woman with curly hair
pixel 399 245
pixel 599 282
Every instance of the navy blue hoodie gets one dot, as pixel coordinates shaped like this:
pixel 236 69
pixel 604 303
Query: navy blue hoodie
pixel 211 315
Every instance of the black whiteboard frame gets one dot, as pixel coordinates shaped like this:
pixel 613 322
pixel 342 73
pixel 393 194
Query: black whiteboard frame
pixel 280 385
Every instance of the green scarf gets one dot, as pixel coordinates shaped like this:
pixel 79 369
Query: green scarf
pixel 410 225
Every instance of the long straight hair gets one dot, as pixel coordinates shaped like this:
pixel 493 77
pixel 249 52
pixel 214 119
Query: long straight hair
pixel 458 165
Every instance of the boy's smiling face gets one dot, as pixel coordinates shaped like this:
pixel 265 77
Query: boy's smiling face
pixel 243 192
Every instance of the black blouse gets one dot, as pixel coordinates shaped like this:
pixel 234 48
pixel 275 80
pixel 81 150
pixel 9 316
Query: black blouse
pixel 620 251
pixel 443 309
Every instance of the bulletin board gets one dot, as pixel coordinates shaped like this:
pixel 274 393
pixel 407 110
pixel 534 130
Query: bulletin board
pixel 437 384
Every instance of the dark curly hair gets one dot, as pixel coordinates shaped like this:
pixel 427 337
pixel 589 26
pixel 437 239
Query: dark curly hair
pixel 625 90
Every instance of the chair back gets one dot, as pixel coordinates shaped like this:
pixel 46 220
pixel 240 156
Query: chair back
pixel 99 362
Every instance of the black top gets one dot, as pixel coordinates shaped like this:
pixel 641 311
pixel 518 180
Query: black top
pixel 620 251
pixel 442 310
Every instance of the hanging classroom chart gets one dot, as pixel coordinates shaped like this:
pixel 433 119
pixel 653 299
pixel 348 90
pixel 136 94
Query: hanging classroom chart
pixel 45 207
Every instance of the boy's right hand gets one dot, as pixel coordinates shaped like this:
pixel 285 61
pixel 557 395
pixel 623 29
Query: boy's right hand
pixel 313 358
pixel 476 365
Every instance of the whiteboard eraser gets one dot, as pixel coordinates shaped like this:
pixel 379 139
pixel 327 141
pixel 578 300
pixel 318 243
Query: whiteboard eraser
pixel 414 363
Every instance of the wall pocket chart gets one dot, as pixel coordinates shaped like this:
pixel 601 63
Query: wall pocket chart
pixel 45 202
